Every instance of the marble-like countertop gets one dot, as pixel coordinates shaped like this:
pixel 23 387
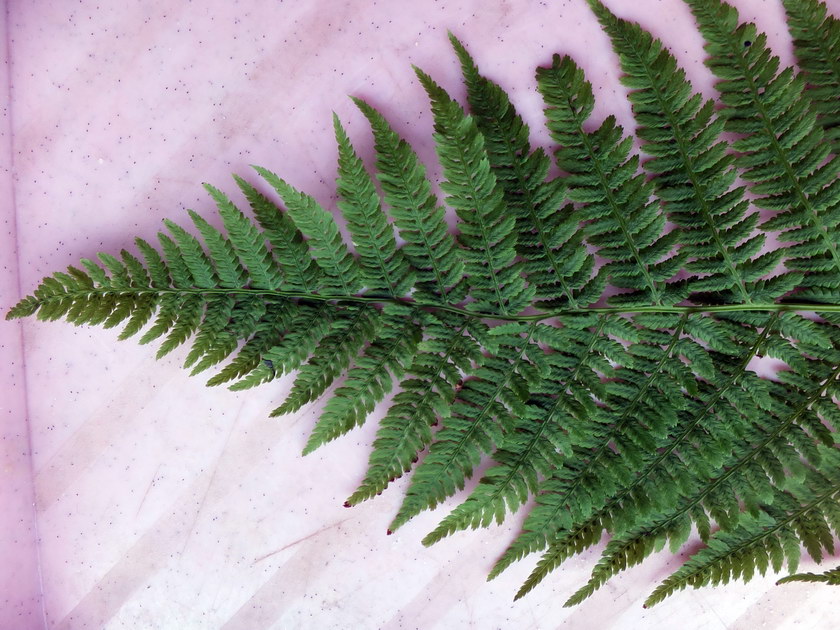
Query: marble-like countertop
pixel 159 503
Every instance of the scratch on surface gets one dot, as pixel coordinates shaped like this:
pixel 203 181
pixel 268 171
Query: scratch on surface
pixel 212 478
pixel 148 488
pixel 299 540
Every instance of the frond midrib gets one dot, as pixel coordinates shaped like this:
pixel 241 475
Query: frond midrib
pixel 775 307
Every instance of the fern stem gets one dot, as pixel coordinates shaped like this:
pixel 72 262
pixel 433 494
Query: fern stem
pixel 772 307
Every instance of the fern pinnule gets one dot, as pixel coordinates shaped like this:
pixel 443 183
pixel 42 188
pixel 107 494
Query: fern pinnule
pixel 299 270
pixel 367 383
pixel 384 268
pixel 429 246
pixel 807 512
pixel 341 269
pixel 450 349
pixel 692 172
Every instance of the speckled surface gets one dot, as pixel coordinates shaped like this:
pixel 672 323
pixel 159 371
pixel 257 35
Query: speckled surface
pixel 164 504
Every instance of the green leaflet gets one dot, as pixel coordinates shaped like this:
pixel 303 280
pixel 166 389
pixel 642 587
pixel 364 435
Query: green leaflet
pixel 782 149
pixel 591 336
pixel 624 224
pixel 831 576
pixel 816 41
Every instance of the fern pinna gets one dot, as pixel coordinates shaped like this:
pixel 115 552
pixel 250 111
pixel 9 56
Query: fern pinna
pixel 591 334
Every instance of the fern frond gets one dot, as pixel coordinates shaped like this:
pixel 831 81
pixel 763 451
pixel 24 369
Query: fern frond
pixel 619 397
pixel 486 404
pixel 816 42
pixel 299 270
pixel 328 248
pixel 367 383
pixel 448 351
pixel 693 174
pixel 782 148
pixel 830 577
pixel 332 357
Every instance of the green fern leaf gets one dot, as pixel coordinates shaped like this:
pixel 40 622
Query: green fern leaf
pixel 831 577
pixel 588 341
pixel 429 247
pixel 447 351
pixel 370 380
pixel 299 270
pixel 559 268
pixel 331 358
pixel 693 174
pixel 739 553
pixel 247 242
pixel 483 406
pixel 623 223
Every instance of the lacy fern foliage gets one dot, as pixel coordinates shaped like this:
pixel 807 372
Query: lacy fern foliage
pixel 590 334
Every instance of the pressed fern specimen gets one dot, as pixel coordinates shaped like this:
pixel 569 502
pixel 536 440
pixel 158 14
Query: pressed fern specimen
pixel 592 334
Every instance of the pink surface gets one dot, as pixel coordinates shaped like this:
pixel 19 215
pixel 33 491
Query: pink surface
pixel 20 588
pixel 161 503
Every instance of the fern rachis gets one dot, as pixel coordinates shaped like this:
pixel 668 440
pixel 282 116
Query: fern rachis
pixel 599 357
